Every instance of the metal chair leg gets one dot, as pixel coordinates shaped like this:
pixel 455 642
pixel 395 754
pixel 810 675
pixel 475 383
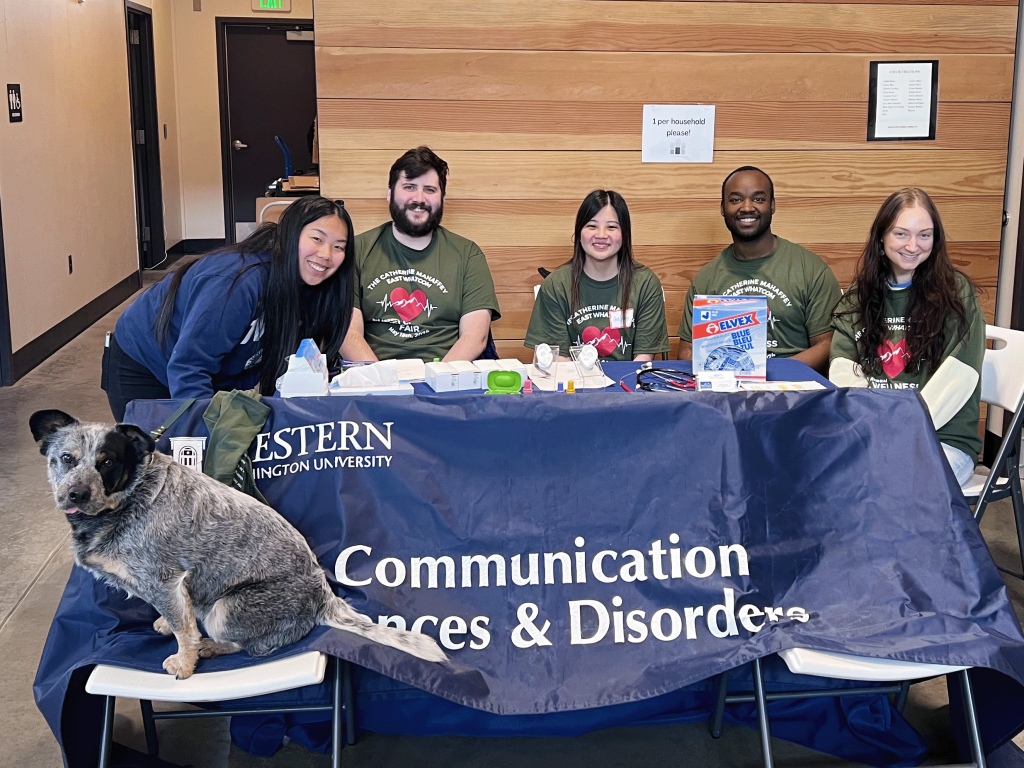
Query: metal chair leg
pixel 336 702
pixel 762 716
pixel 719 714
pixel 1013 474
pixel 973 733
pixel 350 705
pixel 152 745
pixel 901 697
pixel 107 741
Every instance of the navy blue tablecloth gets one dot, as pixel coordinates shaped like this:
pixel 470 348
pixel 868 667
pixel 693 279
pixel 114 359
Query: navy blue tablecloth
pixel 632 534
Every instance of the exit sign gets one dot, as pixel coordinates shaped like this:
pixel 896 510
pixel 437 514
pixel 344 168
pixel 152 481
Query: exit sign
pixel 279 6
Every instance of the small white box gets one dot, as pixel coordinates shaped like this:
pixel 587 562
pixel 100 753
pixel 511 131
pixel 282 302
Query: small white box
pixel 441 377
pixel 469 374
pixel 511 364
pixel 485 367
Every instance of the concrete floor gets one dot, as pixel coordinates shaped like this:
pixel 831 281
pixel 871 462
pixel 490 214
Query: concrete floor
pixel 35 567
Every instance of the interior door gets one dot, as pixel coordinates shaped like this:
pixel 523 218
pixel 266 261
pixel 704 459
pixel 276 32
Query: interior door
pixel 268 89
pixel 145 138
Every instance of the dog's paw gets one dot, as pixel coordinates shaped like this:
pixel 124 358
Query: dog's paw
pixel 210 648
pixel 180 665
pixel 161 626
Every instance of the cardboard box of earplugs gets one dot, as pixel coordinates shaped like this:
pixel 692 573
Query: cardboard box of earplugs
pixel 730 333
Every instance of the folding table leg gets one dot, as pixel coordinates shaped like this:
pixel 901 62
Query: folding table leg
pixel 719 714
pixel 350 705
pixel 762 716
pixel 149 724
pixel 107 741
pixel 901 697
pixel 336 705
pixel 973 733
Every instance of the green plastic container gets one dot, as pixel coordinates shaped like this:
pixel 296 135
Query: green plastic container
pixel 504 383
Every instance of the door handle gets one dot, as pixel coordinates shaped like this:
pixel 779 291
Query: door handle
pixel 239 145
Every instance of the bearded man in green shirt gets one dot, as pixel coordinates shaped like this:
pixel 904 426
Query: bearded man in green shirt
pixel 800 287
pixel 421 290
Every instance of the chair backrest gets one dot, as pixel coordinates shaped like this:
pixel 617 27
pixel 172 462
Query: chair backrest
pixel 1002 373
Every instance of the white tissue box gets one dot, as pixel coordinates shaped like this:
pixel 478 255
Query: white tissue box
pixel 394 389
pixel 469 374
pixel 300 380
pixel 442 377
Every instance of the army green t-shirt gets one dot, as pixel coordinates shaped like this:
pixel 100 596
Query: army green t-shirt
pixel 962 430
pixel 640 329
pixel 412 300
pixel 801 291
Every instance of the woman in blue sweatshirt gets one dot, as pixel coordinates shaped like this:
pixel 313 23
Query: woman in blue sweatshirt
pixel 230 319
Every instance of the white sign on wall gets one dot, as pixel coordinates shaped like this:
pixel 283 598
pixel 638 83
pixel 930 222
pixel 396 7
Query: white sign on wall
pixel 678 133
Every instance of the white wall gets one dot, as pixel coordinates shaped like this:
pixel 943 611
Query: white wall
pixel 199 107
pixel 66 176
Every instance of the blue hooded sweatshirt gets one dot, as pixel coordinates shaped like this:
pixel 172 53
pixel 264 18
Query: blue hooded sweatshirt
pixel 213 340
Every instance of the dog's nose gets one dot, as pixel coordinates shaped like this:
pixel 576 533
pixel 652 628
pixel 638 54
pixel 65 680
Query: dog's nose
pixel 79 494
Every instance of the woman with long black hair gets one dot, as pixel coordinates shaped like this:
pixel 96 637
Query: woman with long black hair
pixel 602 296
pixel 912 320
pixel 230 319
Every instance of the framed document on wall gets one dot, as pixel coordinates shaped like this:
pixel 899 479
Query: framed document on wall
pixel 902 100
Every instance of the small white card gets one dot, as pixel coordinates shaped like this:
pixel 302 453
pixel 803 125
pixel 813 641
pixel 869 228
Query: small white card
pixel 717 381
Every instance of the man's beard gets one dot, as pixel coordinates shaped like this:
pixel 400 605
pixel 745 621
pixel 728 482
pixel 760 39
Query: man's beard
pixel 764 225
pixel 407 227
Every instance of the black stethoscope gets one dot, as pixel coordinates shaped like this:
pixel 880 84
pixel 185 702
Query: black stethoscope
pixel 651 379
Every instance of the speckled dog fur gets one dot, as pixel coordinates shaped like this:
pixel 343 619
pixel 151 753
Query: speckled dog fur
pixel 193 548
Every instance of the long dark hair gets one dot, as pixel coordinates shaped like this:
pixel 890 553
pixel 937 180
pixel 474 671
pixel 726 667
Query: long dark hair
pixel 933 294
pixel 589 208
pixel 322 313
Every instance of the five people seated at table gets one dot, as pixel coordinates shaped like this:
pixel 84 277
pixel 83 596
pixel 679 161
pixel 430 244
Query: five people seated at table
pixel 412 288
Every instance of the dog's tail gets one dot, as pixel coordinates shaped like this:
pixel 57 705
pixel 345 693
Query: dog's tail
pixel 340 615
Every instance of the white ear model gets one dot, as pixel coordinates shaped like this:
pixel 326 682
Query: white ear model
pixel 587 357
pixel 544 356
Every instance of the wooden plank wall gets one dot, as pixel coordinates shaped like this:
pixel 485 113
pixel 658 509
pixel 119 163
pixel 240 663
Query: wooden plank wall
pixel 534 103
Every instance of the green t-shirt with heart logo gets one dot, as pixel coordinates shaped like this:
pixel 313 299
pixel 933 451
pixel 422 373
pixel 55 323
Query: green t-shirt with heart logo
pixel 412 300
pixel 800 288
pixel 962 430
pixel 553 321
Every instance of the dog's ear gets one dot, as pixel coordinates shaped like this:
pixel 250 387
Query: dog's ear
pixel 144 444
pixel 45 423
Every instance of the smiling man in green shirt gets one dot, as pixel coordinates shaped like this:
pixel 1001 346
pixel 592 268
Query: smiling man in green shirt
pixel 800 287
pixel 421 290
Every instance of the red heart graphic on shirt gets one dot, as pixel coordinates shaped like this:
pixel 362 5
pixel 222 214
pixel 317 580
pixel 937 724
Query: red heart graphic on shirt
pixel 408 306
pixel 605 340
pixel 894 357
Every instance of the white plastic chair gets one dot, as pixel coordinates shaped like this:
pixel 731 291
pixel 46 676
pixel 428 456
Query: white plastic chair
pixel 1002 384
pixel 841 666
pixel 256 680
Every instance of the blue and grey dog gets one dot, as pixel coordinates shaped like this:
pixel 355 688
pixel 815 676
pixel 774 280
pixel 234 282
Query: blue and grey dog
pixel 193 548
